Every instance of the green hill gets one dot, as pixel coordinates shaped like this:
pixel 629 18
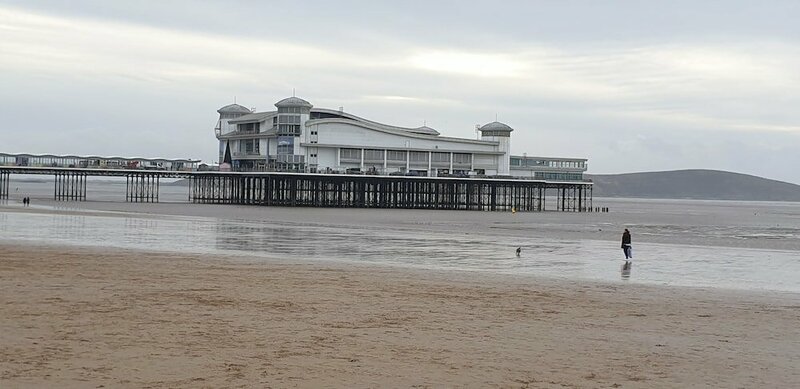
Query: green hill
pixel 694 184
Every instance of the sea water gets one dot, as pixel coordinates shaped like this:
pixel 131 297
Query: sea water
pixel 717 244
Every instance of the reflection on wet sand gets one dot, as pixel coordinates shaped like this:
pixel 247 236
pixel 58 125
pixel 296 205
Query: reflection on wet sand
pixel 626 271
pixel 419 246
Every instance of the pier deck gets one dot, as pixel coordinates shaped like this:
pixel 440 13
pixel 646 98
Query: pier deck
pixel 327 190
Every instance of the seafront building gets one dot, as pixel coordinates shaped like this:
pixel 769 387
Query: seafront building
pixel 298 137
pixel 97 162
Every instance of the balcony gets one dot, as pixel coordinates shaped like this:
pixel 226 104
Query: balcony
pixel 244 134
pixel 248 155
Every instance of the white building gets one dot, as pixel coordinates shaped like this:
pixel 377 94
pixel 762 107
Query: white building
pixel 299 137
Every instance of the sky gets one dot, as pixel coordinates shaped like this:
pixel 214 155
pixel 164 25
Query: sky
pixel 631 85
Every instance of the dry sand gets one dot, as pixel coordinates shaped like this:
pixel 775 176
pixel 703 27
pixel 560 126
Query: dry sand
pixel 86 318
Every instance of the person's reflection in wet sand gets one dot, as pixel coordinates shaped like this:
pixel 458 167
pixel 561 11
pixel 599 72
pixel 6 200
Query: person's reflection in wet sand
pixel 626 271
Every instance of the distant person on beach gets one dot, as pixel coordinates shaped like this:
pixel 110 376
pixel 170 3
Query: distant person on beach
pixel 626 245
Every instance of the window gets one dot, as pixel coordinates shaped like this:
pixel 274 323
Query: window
pixel 290 110
pixel 350 154
pixel 440 157
pixel 289 119
pixel 418 156
pixel 289 129
pixel 250 128
pixel 393 155
pixel 249 146
pixel 285 145
pixel 373 155
pixel 462 158
pixel 558 176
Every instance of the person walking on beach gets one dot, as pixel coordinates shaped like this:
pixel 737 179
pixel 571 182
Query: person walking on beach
pixel 626 245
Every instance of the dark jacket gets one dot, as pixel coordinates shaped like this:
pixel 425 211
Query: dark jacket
pixel 626 239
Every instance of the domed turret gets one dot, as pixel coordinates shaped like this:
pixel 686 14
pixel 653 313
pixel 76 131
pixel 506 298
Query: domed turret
pixel 293 102
pixel 500 133
pixel 227 113
pixel 234 109
pixel 496 129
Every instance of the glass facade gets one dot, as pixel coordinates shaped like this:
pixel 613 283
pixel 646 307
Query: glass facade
pixel 538 162
pixel 285 145
pixel 248 128
pixel 558 176
pixel 350 154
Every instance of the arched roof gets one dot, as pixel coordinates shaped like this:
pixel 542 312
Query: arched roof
pixel 396 130
pixel 424 130
pixel 293 102
pixel 234 108
pixel 496 126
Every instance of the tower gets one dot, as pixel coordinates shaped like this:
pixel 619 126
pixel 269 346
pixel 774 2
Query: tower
pixel 227 113
pixel 501 133
pixel 293 112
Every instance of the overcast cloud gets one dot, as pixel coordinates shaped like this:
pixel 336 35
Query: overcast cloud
pixel 633 86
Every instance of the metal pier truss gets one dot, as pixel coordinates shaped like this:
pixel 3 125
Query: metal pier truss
pixel 329 190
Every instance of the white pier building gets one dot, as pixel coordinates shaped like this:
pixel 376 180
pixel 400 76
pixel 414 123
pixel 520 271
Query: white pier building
pixel 302 138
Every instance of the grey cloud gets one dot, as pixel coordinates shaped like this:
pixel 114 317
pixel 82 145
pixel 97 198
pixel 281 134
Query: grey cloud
pixel 684 84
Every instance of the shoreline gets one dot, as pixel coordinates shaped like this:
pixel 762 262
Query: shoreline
pixel 244 258
pixel 666 227
pixel 77 317
pixel 554 245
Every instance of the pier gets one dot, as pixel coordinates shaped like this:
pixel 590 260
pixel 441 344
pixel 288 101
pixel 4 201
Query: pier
pixel 327 190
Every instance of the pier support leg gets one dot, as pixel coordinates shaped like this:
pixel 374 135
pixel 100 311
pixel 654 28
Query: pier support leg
pixel 69 186
pixel 5 179
pixel 142 188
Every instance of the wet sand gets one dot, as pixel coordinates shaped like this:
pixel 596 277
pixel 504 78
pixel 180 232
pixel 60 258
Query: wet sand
pixel 697 223
pixel 86 318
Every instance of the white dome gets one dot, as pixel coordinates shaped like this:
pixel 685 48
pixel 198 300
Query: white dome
pixel 496 126
pixel 293 102
pixel 234 108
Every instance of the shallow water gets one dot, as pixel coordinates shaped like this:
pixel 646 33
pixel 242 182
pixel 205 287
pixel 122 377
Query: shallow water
pixel 722 244
pixel 669 264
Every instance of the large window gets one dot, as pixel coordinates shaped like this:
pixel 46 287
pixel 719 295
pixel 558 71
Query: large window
pixel 418 156
pixel 440 157
pixel 393 155
pixel 373 155
pixel 290 110
pixel 558 176
pixel 285 145
pixel 248 146
pixel 461 158
pixel 289 129
pixel 249 128
pixel 289 119
pixel 350 154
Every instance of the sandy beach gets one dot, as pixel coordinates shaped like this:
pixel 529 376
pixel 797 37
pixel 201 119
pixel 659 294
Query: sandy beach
pixel 86 318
